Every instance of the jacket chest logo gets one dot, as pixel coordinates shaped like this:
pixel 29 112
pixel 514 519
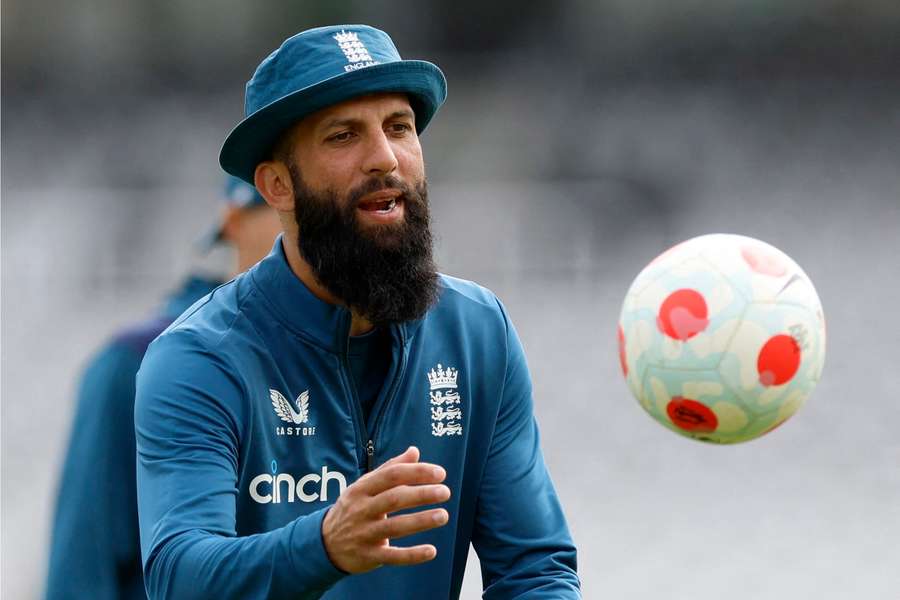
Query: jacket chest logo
pixel 446 403
pixel 298 420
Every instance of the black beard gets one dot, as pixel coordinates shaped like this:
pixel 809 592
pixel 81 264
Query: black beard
pixel 385 273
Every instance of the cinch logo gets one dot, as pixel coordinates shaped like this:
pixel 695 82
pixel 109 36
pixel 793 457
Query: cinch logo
pixel 280 487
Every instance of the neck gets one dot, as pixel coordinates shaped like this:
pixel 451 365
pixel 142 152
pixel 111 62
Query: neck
pixel 358 324
pixel 245 260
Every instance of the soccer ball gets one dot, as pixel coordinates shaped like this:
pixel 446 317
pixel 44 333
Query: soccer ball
pixel 722 338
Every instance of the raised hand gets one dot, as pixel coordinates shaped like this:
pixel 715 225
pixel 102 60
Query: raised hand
pixel 358 529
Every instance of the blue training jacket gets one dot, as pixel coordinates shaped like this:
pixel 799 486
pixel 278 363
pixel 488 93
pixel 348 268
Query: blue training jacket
pixel 248 429
pixel 94 550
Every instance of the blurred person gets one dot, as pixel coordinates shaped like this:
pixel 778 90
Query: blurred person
pixel 284 424
pixel 95 547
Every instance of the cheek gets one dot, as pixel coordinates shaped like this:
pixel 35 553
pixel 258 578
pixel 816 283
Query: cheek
pixel 335 172
pixel 411 160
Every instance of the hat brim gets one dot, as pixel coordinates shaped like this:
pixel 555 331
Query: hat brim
pixel 251 141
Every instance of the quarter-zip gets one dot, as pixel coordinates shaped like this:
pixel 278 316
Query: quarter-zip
pixel 361 434
pixel 355 407
pixel 370 455
pixel 365 438
pixel 392 392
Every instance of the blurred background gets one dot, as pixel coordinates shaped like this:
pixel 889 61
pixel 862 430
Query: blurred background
pixel 579 140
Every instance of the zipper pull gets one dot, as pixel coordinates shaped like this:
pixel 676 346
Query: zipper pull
pixel 370 455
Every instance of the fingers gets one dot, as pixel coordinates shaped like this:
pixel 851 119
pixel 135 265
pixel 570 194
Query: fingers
pixel 410 455
pixel 404 525
pixel 389 476
pixel 414 555
pixel 407 496
pixel 357 530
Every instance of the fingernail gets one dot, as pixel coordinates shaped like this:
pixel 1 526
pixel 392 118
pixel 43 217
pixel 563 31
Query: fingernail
pixel 438 472
pixel 443 494
pixel 440 517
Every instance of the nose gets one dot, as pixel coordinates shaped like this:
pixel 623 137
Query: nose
pixel 380 158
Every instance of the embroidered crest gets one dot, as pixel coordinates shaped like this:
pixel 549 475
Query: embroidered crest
pixel 356 52
pixel 443 395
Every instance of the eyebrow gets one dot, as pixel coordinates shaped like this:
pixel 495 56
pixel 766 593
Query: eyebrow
pixel 401 114
pixel 350 122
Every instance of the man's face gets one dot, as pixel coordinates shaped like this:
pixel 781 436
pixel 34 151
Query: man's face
pixel 350 145
pixel 361 207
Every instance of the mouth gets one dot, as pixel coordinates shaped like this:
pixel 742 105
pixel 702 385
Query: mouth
pixel 380 206
pixel 381 203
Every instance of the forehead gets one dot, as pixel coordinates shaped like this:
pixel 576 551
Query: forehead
pixel 377 106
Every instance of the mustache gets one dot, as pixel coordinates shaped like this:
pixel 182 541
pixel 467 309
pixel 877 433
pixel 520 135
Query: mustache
pixel 376 184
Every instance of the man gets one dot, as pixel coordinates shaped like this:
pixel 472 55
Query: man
pixel 95 549
pixel 284 424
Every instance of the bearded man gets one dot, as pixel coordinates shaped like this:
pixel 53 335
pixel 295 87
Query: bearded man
pixel 343 395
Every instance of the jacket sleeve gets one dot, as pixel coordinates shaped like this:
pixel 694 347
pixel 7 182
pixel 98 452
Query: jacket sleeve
pixel 94 544
pixel 189 417
pixel 520 533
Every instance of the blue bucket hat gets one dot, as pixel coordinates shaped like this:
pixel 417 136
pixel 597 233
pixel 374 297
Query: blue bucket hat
pixel 318 68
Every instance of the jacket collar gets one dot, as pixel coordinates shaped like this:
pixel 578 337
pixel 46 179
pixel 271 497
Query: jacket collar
pixel 295 306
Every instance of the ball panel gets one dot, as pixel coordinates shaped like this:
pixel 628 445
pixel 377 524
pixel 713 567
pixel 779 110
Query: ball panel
pixel 791 405
pixel 663 263
pixel 732 418
pixel 692 313
pixel 759 271
pixel 639 347
pixel 763 259
pixel 774 353
pixel 693 403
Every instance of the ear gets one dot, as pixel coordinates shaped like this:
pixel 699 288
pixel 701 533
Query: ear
pixel 273 180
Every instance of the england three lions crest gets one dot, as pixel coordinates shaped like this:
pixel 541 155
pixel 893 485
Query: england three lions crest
pixel 445 401
pixel 354 50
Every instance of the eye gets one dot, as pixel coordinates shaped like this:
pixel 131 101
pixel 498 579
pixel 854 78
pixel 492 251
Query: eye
pixel 343 136
pixel 399 128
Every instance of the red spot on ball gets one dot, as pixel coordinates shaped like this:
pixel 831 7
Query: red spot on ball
pixel 622 361
pixel 764 261
pixel 778 360
pixel 691 415
pixel 683 314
